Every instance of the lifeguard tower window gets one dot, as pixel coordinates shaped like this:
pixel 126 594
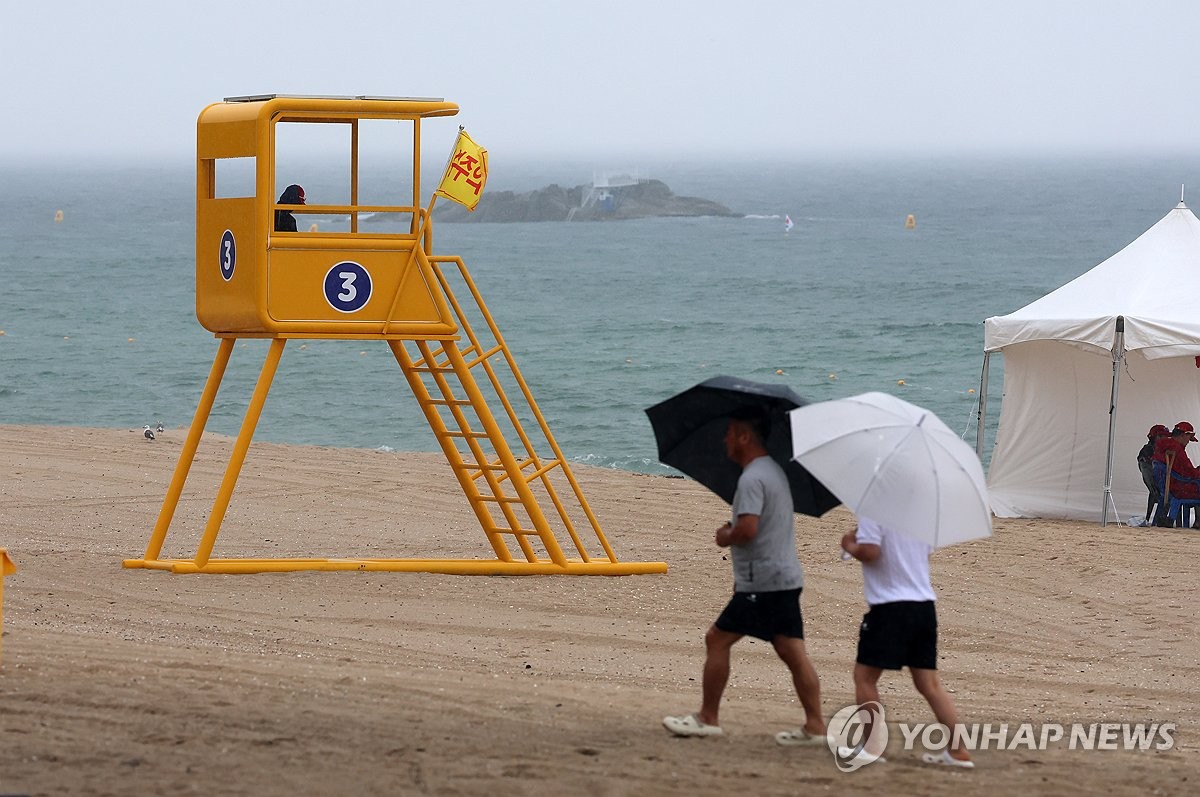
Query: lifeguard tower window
pixel 234 178
pixel 357 174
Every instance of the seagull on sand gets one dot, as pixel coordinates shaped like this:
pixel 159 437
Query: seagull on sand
pixel 146 433
pixel 159 428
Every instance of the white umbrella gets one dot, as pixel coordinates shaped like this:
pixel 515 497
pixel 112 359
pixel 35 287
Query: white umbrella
pixel 895 463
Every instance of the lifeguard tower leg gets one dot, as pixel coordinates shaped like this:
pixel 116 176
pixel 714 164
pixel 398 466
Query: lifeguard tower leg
pixel 188 455
pixel 240 447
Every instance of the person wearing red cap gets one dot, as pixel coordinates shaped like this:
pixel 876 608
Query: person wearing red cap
pixel 1145 460
pixel 284 220
pixel 1185 479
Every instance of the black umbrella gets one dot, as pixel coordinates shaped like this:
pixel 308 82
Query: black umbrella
pixel 690 431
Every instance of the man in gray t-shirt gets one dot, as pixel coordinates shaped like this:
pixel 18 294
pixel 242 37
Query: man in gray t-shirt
pixel 767 562
pixel 767 585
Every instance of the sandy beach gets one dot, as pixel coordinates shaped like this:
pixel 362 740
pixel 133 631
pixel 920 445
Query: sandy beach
pixel 131 682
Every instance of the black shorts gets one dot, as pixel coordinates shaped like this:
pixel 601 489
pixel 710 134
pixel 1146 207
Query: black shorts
pixel 763 615
pixel 900 634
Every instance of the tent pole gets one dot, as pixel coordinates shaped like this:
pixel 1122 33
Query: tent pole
pixel 981 409
pixel 1118 359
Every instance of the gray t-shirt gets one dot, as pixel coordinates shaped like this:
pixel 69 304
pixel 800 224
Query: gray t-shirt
pixel 767 563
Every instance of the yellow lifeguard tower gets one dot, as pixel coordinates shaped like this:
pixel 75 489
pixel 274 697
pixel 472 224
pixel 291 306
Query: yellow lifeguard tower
pixel 360 282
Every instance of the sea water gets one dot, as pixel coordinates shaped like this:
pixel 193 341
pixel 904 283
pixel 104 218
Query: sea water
pixel 603 318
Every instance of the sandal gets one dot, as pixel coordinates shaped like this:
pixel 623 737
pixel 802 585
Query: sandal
pixel 800 738
pixel 690 726
pixel 944 759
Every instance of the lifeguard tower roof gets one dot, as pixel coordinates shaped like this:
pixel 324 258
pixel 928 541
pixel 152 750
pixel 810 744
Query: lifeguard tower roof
pixel 264 97
pixel 240 126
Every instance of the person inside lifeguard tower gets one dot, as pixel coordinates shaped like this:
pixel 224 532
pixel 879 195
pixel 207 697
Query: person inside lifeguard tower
pixel 284 220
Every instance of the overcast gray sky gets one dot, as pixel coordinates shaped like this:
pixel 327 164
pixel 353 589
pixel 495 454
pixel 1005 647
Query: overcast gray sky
pixel 758 79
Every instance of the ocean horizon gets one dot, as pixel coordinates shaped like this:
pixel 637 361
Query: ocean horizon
pixel 603 318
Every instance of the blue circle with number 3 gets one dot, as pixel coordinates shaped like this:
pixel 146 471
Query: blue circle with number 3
pixel 227 256
pixel 347 287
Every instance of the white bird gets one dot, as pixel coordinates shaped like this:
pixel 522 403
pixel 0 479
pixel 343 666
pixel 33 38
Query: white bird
pixel 149 435
pixel 159 429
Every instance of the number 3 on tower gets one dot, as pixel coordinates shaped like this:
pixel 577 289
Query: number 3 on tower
pixel 347 287
pixel 227 255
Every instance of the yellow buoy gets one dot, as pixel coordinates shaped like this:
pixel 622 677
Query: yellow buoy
pixel 971 392
pixel 833 376
pixel 779 372
pixel 312 227
pixel 899 381
pixel 911 222
pixel 58 216
pixel 131 340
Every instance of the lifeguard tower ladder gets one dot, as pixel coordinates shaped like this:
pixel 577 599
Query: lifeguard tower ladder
pixel 253 281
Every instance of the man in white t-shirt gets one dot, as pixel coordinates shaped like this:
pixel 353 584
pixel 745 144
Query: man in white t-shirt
pixel 900 630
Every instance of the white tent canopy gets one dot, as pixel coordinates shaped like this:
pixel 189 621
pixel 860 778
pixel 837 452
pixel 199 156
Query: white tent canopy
pixel 1089 368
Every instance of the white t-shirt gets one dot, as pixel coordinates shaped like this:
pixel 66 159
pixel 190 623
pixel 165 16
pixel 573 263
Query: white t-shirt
pixel 901 573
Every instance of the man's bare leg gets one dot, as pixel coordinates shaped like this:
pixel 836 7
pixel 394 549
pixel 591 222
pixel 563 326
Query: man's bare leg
pixel 930 686
pixel 717 644
pixel 804 679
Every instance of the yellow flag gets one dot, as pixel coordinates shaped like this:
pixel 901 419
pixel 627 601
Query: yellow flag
pixel 466 173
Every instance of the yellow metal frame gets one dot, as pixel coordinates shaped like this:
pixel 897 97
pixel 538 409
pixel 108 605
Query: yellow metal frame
pixel 428 329
pixel 7 568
